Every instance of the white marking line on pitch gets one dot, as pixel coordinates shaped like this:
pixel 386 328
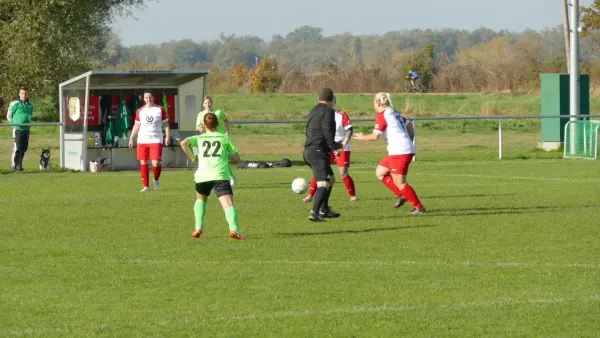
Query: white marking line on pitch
pixel 402 308
pixel 309 313
pixel 403 262
pixel 583 180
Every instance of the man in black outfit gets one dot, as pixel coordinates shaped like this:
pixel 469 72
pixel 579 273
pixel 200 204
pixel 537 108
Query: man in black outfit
pixel 320 133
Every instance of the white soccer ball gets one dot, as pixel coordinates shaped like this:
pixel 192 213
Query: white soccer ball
pixel 299 185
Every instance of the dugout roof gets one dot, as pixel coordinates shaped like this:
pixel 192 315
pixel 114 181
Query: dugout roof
pixel 132 79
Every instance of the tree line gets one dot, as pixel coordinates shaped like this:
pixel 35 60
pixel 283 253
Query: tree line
pixel 448 60
pixel 45 42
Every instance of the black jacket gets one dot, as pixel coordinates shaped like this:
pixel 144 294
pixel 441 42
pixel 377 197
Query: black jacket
pixel 320 127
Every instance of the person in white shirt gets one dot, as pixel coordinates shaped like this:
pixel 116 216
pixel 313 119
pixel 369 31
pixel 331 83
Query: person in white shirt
pixel 398 133
pixel 149 121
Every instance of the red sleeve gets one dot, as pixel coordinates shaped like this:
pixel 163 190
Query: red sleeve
pixel 137 114
pixel 345 120
pixel 380 124
pixel 164 116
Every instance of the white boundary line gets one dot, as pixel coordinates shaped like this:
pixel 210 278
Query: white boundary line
pixel 403 308
pixel 322 312
pixel 351 263
pixel 571 180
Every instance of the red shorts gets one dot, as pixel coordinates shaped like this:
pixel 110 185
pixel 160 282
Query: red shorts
pixel 343 159
pixel 397 164
pixel 149 151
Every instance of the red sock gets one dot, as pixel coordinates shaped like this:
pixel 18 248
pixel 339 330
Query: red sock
pixel 156 171
pixel 411 196
pixel 389 182
pixel 349 183
pixel 313 187
pixel 144 173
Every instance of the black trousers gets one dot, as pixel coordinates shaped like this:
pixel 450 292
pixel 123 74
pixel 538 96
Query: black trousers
pixel 318 160
pixel 20 145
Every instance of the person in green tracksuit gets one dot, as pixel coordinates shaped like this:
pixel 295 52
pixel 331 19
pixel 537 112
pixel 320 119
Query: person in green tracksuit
pixel 212 150
pixel 20 111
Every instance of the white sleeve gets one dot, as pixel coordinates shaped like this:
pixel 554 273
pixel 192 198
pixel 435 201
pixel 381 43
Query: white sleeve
pixel 10 112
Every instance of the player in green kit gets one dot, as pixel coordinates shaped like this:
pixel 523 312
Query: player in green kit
pixel 212 150
pixel 222 128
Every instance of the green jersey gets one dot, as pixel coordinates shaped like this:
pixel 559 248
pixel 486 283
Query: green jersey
pixel 20 112
pixel 213 150
pixel 123 124
pixel 220 116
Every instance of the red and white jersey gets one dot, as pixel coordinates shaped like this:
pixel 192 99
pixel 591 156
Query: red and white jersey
pixel 392 126
pixel 151 121
pixel 342 123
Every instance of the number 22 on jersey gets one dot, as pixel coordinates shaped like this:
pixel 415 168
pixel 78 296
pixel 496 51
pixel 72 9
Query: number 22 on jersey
pixel 211 149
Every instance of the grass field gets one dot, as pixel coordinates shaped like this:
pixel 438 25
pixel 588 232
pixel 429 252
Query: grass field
pixel 508 247
pixel 464 138
pixel 269 106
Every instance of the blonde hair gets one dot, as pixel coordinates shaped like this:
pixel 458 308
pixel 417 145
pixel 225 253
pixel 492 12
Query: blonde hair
pixel 384 99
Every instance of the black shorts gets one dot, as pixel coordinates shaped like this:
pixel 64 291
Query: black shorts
pixel 21 140
pixel 221 188
pixel 318 160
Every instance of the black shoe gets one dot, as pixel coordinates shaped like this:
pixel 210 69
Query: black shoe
pixel 416 211
pixel 400 202
pixel 315 217
pixel 329 214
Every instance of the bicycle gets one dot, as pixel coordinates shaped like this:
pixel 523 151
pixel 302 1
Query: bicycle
pixel 417 88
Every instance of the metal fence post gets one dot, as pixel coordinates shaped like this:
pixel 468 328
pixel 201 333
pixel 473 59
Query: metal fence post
pixel 500 137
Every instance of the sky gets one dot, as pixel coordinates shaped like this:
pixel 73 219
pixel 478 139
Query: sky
pixel 164 20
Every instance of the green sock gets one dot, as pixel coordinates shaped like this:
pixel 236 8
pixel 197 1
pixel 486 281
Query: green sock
pixel 232 218
pixel 199 211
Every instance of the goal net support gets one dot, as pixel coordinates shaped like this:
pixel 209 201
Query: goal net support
pixel 581 139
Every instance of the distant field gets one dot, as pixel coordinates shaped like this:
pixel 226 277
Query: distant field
pixel 463 138
pixel 270 106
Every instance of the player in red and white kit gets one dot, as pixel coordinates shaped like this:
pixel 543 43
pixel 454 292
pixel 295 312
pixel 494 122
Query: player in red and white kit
pixel 343 134
pixel 398 133
pixel 149 121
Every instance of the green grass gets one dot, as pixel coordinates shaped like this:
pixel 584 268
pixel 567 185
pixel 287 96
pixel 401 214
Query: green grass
pixel 508 248
pixel 359 105
pixel 270 106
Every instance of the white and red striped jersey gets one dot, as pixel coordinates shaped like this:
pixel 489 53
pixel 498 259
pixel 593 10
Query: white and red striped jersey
pixel 151 121
pixel 392 126
pixel 342 123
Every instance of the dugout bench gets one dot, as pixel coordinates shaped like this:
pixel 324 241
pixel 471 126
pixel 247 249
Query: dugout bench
pixel 85 99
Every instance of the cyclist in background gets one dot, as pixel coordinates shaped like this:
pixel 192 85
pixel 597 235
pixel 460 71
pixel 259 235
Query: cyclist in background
pixel 413 76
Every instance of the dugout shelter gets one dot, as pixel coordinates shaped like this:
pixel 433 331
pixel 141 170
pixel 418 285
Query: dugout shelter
pixel 89 102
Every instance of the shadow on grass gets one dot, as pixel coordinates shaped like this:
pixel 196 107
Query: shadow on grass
pixel 481 211
pixel 274 185
pixel 475 211
pixel 357 231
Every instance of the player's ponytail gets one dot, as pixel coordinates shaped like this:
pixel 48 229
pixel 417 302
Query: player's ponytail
pixel 384 99
pixel 210 121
